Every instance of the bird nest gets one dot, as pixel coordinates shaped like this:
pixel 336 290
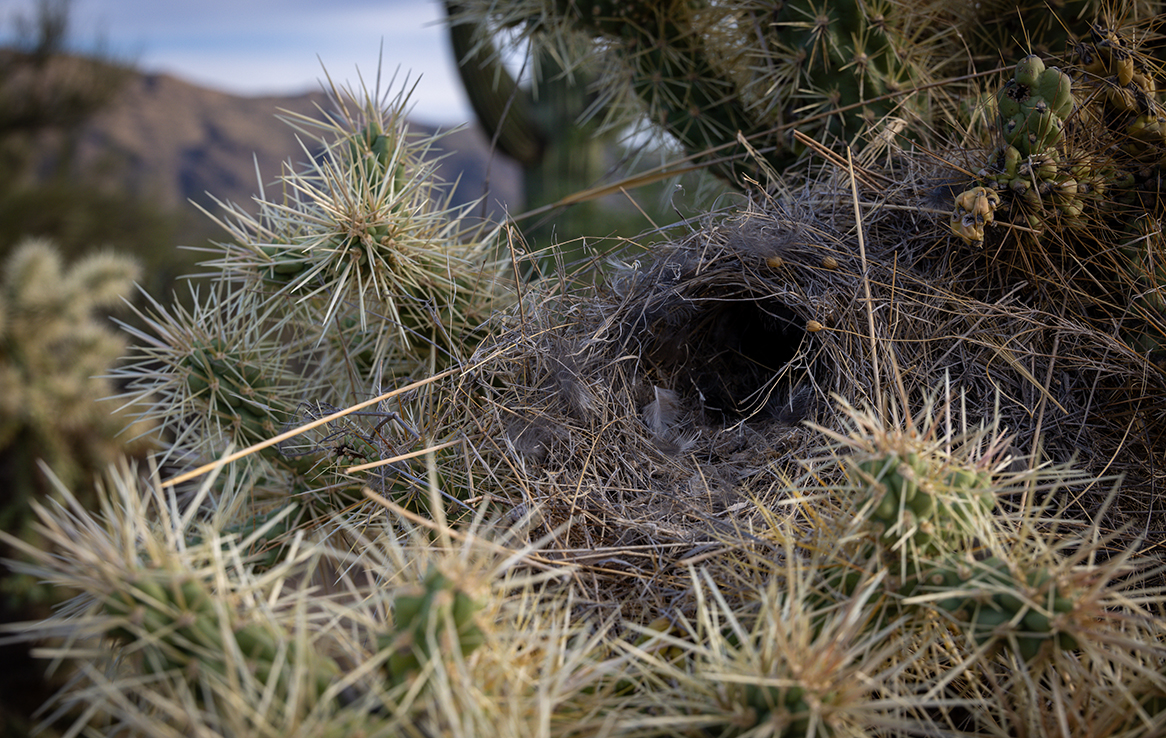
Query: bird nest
pixel 651 415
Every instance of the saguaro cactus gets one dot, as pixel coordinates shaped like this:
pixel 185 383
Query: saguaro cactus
pixel 548 128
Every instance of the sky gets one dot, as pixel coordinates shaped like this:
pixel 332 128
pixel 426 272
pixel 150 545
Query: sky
pixel 257 47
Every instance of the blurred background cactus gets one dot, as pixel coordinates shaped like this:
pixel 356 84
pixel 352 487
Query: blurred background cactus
pixel 542 128
pixel 47 96
pixel 552 122
pixel 56 348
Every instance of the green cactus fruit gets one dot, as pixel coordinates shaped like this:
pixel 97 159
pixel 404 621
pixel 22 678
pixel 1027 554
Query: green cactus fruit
pixel 1032 109
pixel 1033 106
pixel 1007 105
pixel 1033 131
pixel 1011 163
pixel 1065 191
pixel 1057 88
pixel 1029 70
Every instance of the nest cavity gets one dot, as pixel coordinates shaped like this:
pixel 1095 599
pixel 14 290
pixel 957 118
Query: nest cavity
pixel 666 405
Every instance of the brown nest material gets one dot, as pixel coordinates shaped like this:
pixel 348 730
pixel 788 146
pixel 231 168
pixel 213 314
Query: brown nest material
pixel 651 417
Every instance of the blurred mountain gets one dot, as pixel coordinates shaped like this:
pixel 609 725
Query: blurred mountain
pixel 173 142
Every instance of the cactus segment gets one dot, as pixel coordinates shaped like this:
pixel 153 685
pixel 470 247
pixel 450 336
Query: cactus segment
pixel 1029 70
pixel 845 59
pixel 285 263
pixel 791 704
pixel 915 501
pixel 992 602
pixel 173 620
pixel 265 552
pixel 420 622
pixel 234 389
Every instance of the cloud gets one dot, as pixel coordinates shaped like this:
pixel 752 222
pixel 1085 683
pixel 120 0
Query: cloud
pixel 280 46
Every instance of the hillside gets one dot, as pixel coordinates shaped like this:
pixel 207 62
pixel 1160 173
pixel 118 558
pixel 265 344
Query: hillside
pixel 175 142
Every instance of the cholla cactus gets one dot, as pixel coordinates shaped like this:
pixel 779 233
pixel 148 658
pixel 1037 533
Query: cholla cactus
pixel 422 620
pixel 368 225
pixel 170 618
pixel 990 601
pixel 1031 111
pixel 707 72
pixel 179 621
pixel 674 551
pixel 1002 593
pixel 54 350
pixel 921 504
pixel 170 636
pixel 1033 106
pixel 220 367
pixel 924 489
pixel 359 273
pixel 781 665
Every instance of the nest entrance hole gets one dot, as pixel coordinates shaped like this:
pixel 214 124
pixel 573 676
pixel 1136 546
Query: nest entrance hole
pixel 735 356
